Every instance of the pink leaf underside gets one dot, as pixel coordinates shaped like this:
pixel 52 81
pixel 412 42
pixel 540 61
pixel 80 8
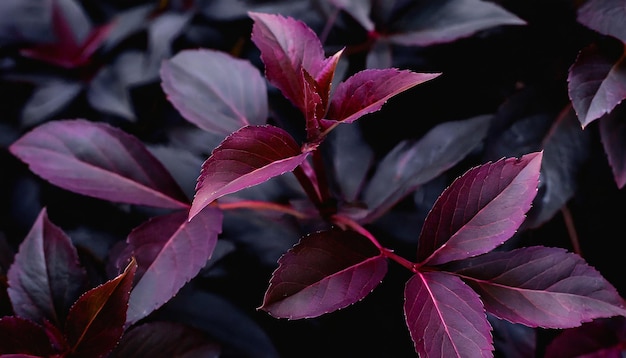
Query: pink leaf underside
pixel 96 321
pixel 287 47
pixel 46 277
pixel 605 16
pixel 247 157
pixel 597 82
pixel 170 251
pixel 541 287
pixel 366 91
pixel 324 272
pixel 98 160
pixel 445 317
pixel 612 134
pixel 447 21
pixel 230 95
pixel 480 210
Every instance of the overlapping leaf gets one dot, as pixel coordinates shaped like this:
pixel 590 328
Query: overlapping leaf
pixel 22 337
pixel 480 210
pixel 612 134
pixel 215 91
pixel 445 317
pixel 605 16
pixel 98 160
pixel 603 337
pixel 247 157
pixel 324 272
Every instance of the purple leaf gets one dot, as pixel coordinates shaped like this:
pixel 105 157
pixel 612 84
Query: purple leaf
pixel 98 160
pixel 366 92
pixel 604 16
pixel 23 337
pixel 96 321
pixel 446 21
pixel 540 287
pixel 612 134
pixel 324 272
pixel 597 81
pixel 445 317
pixel 247 157
pixel 169 251
pixel 600 338
pixel 46 277
pixel 480 210
pixel 230 95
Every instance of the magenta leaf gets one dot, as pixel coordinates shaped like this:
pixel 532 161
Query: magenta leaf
pixel 247 157
pixel 604 337
pixel 169 251
pixel 540 287
pixel 96 321
pixel 366 92
pixel 604 16
pixel 23 337
pixel 98 160
pixel 46 277
pixel 445 317
pixel 480 210
pixel 324 272
pixel 221 100
pixel 597 81
pixel 612 134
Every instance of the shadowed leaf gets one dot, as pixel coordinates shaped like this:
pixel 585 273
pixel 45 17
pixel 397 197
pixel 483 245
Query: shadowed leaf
pixel 612 135
pixel 23 338
pixel 605 16
pixel 600 338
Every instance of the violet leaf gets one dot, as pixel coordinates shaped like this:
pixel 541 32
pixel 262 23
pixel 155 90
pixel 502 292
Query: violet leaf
pixel 596 81
pixel 411 164
pixel 230 95
pixel 169 251
pixel 98 160
pixel 604 337
pixel 480 210
pixel 23 337
pixel 445 317
pixel 604 16
pixel 95 322
pixel 540 287
pixel 247 157
pixel 366 92
pixel 46 276
pixel 612 134
pixel 324 272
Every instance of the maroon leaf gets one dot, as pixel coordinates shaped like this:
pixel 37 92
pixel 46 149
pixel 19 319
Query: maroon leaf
pixel 541 287
pixel 445 317
pixel 604 16
pixel 600 338
pixel 229 96
pixel 96 321
pixel 480 210
pixel 612 134
pixel 596 81
pixel 324 272
pixel 46 277
pixel 247 157
pixel 98 160
pixel 170 251
pixel 23 337
pixel 366 92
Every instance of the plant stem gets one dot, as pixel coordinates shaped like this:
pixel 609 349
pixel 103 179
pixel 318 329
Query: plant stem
pixel 262 205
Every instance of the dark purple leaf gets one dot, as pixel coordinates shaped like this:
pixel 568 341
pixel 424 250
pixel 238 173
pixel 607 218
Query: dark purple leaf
pixel 434 22
pixel 169 251
pixel 513 340
pixel 230 95
pixel 409 165
pixel 445 317
pixel 98 160
pixel 23 337
pixel 540 287
pixel 604 16
pixel 46 276
pixel 47 99
pixel 480 210
pixel 359 10
pixel 25 21
pixel 165 339
pixel 596 81
pixel 96 321
pixel 324 272
pixel 601 338
pixel 247 157
pixel 366 92
pixel 612 135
